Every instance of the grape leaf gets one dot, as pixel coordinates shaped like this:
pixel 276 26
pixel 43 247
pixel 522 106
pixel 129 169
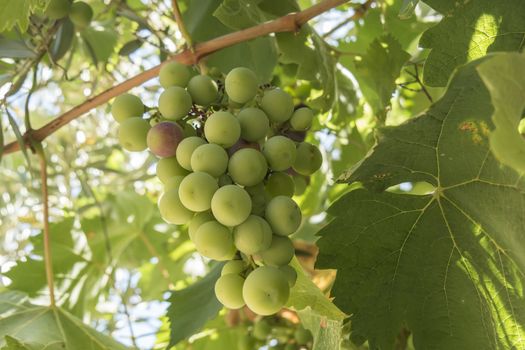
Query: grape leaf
pixel 507 90
pixel 18 12
pixel 317 313
pixel 29 325
pixel 191 307
pixel 407 9
pixel 449 265
pixel 469 30
pixel 100 42
pixel 15 49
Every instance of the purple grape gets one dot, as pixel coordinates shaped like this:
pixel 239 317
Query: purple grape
pixel 164 138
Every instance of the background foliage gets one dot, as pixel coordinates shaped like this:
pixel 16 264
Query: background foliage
pixel 420 119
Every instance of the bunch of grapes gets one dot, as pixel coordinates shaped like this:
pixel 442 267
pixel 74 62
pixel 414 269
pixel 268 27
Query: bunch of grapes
pixel 232 154
pixel 277 333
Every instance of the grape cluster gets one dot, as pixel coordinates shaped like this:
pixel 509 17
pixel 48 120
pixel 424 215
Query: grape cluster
pixel 229 166
pixel 279 333
pixel 79 12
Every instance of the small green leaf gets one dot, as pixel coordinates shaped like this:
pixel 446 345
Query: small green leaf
pixel 63 40
pixel 15 49
pixel 100 42
pixel 130 47
pixel 191 307
pixel 507 90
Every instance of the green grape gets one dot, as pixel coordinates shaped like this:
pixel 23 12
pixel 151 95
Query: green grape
pixel 254 124
pixel 277 104
pixel 280 252
pixel 253 235
pixel 231 205
pixel 197 221
pixel 210 158
pixel 172 210
pixel 283 215
pixel 301 119
pixel 173 183
pixel 308 159
pixel 241 85
pixel 81 14
pixel 174 103
pixel 282 334
pixel 203 90
pixel 225 180
pixel 228 290
pixel 302 335
pixel 168 168
pixel 245 342
pixel 266 290
pixel 259 198
pixel 164 138
pixel 196 191
pixel 280 152
pixel 223 129
pixel 300 183
pixel 280 184
pixel 174 74
pixel 234 266
pixel 291 274
pixel 126 106
pixel 132 134
pixel 247 167
pixel 185 150
pixel 57 9
pixel 261 330
pixel 214 241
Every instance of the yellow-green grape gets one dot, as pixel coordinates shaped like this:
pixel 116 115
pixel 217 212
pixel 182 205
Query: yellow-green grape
pixel 174 74
pixel 241 85
pixel 203 90
pixel 57 9
pixel 280 252
pixel 172 210
pixel 168 168
pixel 283 215
pixel 81 14
pixel 126 106
pixel 223 129
pixel 266 290
pixel 302 335
pixel 254 124
pixel 301 119
pixel 300 183
pixel 234 266
pixel 132 134
pixel 214 241
pixel 261 330
pixel 225 180
pixel 228 290
pixel 259 198
pixel 308 159
pixel 253 235
pixel 280 152
pixel 280 184
pixel 277 104
pixel 247 167
pixel 174 103
pixel 197 190
pixel 173 183
pixel 197 221
pixel 210 158
pixel 290 273
pixel 185 150
pixel 231 205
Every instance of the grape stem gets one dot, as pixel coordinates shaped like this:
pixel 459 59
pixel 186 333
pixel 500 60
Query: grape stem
pixel 288 23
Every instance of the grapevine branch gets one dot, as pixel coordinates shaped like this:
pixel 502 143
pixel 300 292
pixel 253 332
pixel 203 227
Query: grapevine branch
pixel 289 23
pixel 180 24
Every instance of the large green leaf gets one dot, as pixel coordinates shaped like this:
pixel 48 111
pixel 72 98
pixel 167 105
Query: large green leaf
pixel 469 30
pixel 507 90
pixel 449 266
pixel 18 12
pixel 191 307
pixel 41 327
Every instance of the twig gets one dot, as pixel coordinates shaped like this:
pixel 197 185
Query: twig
pixel 47 244
pixel 359 12
pixel 289 23
pixel 180 23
